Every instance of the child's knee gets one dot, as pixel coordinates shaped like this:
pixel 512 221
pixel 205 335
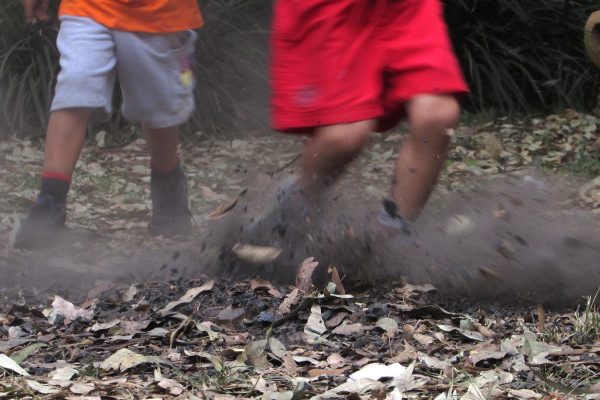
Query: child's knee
pixel 434 113
pixel 346 138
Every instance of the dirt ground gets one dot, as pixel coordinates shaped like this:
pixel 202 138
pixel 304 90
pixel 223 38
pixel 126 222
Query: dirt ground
pixel 509 242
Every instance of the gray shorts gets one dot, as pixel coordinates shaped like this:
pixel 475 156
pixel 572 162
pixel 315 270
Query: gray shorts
pixel 153 71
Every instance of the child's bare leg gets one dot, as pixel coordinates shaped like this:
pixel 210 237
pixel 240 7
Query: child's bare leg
pixel 423 154
pixel 64 140
pixel 331 149
pixel 168 187
pixel 326 154
pixel 163 144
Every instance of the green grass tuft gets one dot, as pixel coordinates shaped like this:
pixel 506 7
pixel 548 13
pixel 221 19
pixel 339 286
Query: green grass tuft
pixel 587 322
pixel 585 164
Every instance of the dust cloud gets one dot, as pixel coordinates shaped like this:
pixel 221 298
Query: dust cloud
pixel 509 240
pixel 513 240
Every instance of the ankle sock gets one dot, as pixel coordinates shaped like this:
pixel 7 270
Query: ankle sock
pixel 392 215
pixel 55 185
pixel 391 207
pixel 172 176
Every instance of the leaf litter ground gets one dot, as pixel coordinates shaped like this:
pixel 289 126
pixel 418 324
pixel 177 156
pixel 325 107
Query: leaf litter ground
pixel 117 314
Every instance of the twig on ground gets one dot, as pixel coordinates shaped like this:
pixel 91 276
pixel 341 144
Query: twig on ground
pixel 304 305
pixel 286 165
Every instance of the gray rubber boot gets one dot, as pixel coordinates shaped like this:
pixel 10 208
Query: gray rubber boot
pixel 45 220
pixel 171 214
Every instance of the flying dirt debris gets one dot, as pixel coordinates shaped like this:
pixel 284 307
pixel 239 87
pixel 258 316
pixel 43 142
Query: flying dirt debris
pixel 513 239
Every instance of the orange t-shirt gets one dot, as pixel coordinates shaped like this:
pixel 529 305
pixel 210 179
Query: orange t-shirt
pixel 151 16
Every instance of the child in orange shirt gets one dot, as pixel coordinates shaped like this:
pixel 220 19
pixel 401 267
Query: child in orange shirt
pixel 149 46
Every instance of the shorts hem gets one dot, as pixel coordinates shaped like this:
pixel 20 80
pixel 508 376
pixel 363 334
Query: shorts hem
pixel 393 115
pixel 459 91
pixel 302 122
pixel 161 123
pixel 79 104
pixel 99 112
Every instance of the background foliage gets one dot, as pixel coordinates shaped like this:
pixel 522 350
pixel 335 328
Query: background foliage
pixel 524 56
pixel 28 67
pixel 518 56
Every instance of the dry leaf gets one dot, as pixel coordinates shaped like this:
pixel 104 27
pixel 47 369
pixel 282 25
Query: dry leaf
pixel 123 360
pixel 433 363
pixel 538 351
pixel 486 352
pixel 224 208
pixel 230 314
pixel 473 393
pixel 173 387
pixel 289 364
pixel 264 284
pixel 349 329
pixel 130 294
pixel 276 348
pixel 97 327
pixel 377 371
pixel 524 394
pixel 256 254
pixel 8 363
pixel 21 355
pixel 190 295
pixel 335 278
pixel 63 374
pixel 410 289
pixel 41 388
pixel 487 333
pixel 473 335
pixel 306 360
pixel 304 276
pixel 206 327
pixel 595 388
pixel 256 355
pixel 425 340
pixel 315 327
pixel 493 146
pixel 82 388
pixel 541 327
pixel 389 325
pixel 396 394
pixel 291 300
pixel 336 359
pixel 68 311
pixel 336 319
pixel 459 225
pixel 360 386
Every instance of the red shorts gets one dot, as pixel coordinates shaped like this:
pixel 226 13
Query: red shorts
pixel 340 61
